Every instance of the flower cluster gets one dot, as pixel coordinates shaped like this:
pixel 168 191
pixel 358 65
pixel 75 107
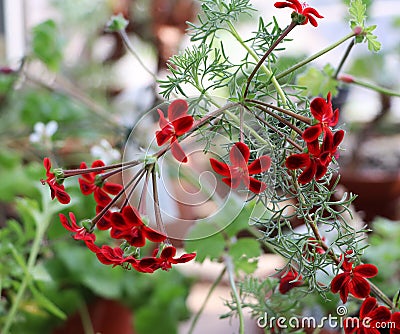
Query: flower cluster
pixel 314 162
pixel 125 224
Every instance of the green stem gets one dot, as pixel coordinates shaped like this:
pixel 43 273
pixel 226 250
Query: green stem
pixel 42 224
pixel 131 49
pixel 315 56
pixel 345 56
pixel 85 318
pixel 375 88
pixel 231 274
pixel 274 80
pixel 203 305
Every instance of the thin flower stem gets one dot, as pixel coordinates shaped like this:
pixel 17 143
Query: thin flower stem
pixel 157 212
pixel 129 195
pixel 301 118
pixel 315 56
pixel 274 81
pixel 131 49
pixel 261 61
pixel 375 88
pixel 139 174
pixel 230 269
pixel 203 305
pixel 346 54
pixel 85 318
pixel 280 119
pixel 241 125
pixel 289 140
pixel 80 171
pixel 143 195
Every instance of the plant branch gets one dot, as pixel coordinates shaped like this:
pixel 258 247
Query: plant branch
pixel 315 56
pixel 346 54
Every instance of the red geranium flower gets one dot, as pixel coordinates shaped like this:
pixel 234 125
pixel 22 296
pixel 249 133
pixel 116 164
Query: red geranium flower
pixel 326 117
pixel 288 281
pixel 395 318
pixel 239 170
pixel 104 223
pixel 57 190
pixel 129 226
pixel 179 123
pixel 90 184
pixel 353 280
pixel 165 261
pixel 81 233
pixel 315 162
pixel 372 317
pixel 306 13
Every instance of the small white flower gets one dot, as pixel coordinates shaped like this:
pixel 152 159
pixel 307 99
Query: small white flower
pixel 42 133
pixel 105 152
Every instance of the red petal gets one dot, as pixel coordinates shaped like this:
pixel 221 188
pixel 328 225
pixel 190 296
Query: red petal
pixel 62 195
pixel 367 306
pixel 177 109
pixel 153 235
pixel 321 109
pixel 220 168
pixel 260 165
pixel 168 252
pixel 335 118
pixel 337 138
pixel 308 173
pixel 164 135
pixel 321 171
pixel 184 258
pixel 112 188
pixel 312 133
pixel 381 314
pixel 162 121
pixel 132 216
pixel 98 163
pixel 396 320
pixel 86 187
pixel 313 11
pixel 339 281
pixel 256 186
pixel 101 197
pixel 137 238
pixel 239 154
pixel 313 148
pixel 92 246
pixel 183 125
pixel 233 183
pixel 359 287
pixel 296 161
pixel 344 293
pixel 177 151
pixel 118 221
pixel 47 165
pixel 294 4
pixel 366 270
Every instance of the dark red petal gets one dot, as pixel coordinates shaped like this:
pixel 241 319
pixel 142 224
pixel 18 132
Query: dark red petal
pixel 337 138
pixel 231 182
pixel 153 235
pixel 366 270
pixel 308 173
pixel 184 258
pixel 183 125
pixel 256 186
pixel 260 165
pixel 338 282
pixel 313 11
pixel 118 221
pixel 177 151
pixel 132 216
pixel 381 314
pixel 359 287
pixel 136 238
pixel 47 165
pixel 164 135
pixel 101 197
pixel 312 133
pixel 294 4
pixel 98 163
pixel 320 109
pixel 321 171
pixel 368 305
pixel 286 283
pixel 112 188
pixel 396 320
pixel 296 161
pixel 162 122
pixel 239 154
pixel 344 293
pixel 312 20
pixel 62 195
pixel 168 252
pixel 314 148
pixel 220 168
pixel 335 118
pixel 177 109
pixel 92 246
pixel 86 187
pixel 64 221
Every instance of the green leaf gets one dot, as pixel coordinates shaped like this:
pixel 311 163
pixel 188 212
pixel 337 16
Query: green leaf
pixel 245 253
pixel 46 44
pixel 357 12
pixel 206 240
pixel 46 303
pixel 373 44
pixel 318 82
pixel 116 23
